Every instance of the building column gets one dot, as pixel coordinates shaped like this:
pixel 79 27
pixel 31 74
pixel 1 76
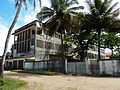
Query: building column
pixel 17 64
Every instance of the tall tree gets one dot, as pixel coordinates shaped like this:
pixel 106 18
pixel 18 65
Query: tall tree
pixel 110 40
pixel 81 36
pixel 102 15
pixel 18 4
pixel 60 15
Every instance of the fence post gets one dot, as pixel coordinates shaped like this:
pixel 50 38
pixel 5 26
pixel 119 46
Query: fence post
pixel 76 67
pixel 23 64
pixel 66 66
pixel 98 63
pixel 87 62
pixel 33 65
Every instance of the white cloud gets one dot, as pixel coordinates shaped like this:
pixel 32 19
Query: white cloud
pixel 29 17
pixel 30 14
pixel 3 34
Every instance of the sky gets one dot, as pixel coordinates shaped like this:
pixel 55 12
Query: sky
pixel 8 11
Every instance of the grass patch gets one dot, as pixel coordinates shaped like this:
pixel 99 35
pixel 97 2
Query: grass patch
pixel 35 72
pixel 71 88
pixel 11 84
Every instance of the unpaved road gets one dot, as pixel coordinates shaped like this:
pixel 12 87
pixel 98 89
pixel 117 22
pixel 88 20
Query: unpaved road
pixel 66 82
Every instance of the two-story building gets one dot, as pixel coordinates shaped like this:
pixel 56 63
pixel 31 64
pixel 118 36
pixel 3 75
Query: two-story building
pixel 32 44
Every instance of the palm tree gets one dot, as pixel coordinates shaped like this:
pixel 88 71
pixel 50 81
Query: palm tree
pixel 19 5
pixel 60 15
pixel 101 16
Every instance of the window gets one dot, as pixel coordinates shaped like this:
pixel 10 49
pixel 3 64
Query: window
pixel 57 46
pixel 47 46
pixel 25 46
pixel 28 46
pixel 22 47
pixel 32 42
pixel 57 35
pixel 33 32
pixel 17 48
pixel 26 35
pixel 18 38
pixel 39 31
pixel 39 43
pixel 29 34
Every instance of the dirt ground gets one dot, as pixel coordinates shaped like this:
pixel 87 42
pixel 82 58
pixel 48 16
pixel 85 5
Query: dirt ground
pixel 66 82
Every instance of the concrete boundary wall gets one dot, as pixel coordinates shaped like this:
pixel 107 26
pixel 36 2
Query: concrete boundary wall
pixel 46 65
pixel 90 67
pixel 57 66
pixel 109 67
pixel 76 67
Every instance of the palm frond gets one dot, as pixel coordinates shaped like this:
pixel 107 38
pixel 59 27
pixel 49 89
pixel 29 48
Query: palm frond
pixel 97 4
pixel 44 15
pixel 90 4
pixel 54 4
pixel 71 2
pixel 72 13
pixel 104 7
pixel 44 9
pixel 111 8
pixel 75 8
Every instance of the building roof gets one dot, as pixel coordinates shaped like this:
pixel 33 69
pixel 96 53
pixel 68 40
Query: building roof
pixel 25 26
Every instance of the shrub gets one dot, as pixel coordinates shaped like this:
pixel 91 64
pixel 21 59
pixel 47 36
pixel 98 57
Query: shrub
pixel 1 82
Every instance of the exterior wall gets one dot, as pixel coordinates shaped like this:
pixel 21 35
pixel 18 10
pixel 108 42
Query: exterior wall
pixel 110 67
pixel 76 67
pixel 46 45
pixel 57 66
pixel 24 42
pixel 45 65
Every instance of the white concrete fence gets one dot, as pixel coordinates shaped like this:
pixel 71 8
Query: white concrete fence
pixel 45 65
pixel 70 67
pixel 102 67
pixel 76 67
pixel 110 67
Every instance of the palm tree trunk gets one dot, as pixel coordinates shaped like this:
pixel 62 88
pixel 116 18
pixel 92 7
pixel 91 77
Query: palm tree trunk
pixel 99 57
pixel 8 38
pixel 62 53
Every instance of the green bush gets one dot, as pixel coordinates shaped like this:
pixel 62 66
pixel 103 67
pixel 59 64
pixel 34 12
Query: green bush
pixel 9 67
pixel 1 82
